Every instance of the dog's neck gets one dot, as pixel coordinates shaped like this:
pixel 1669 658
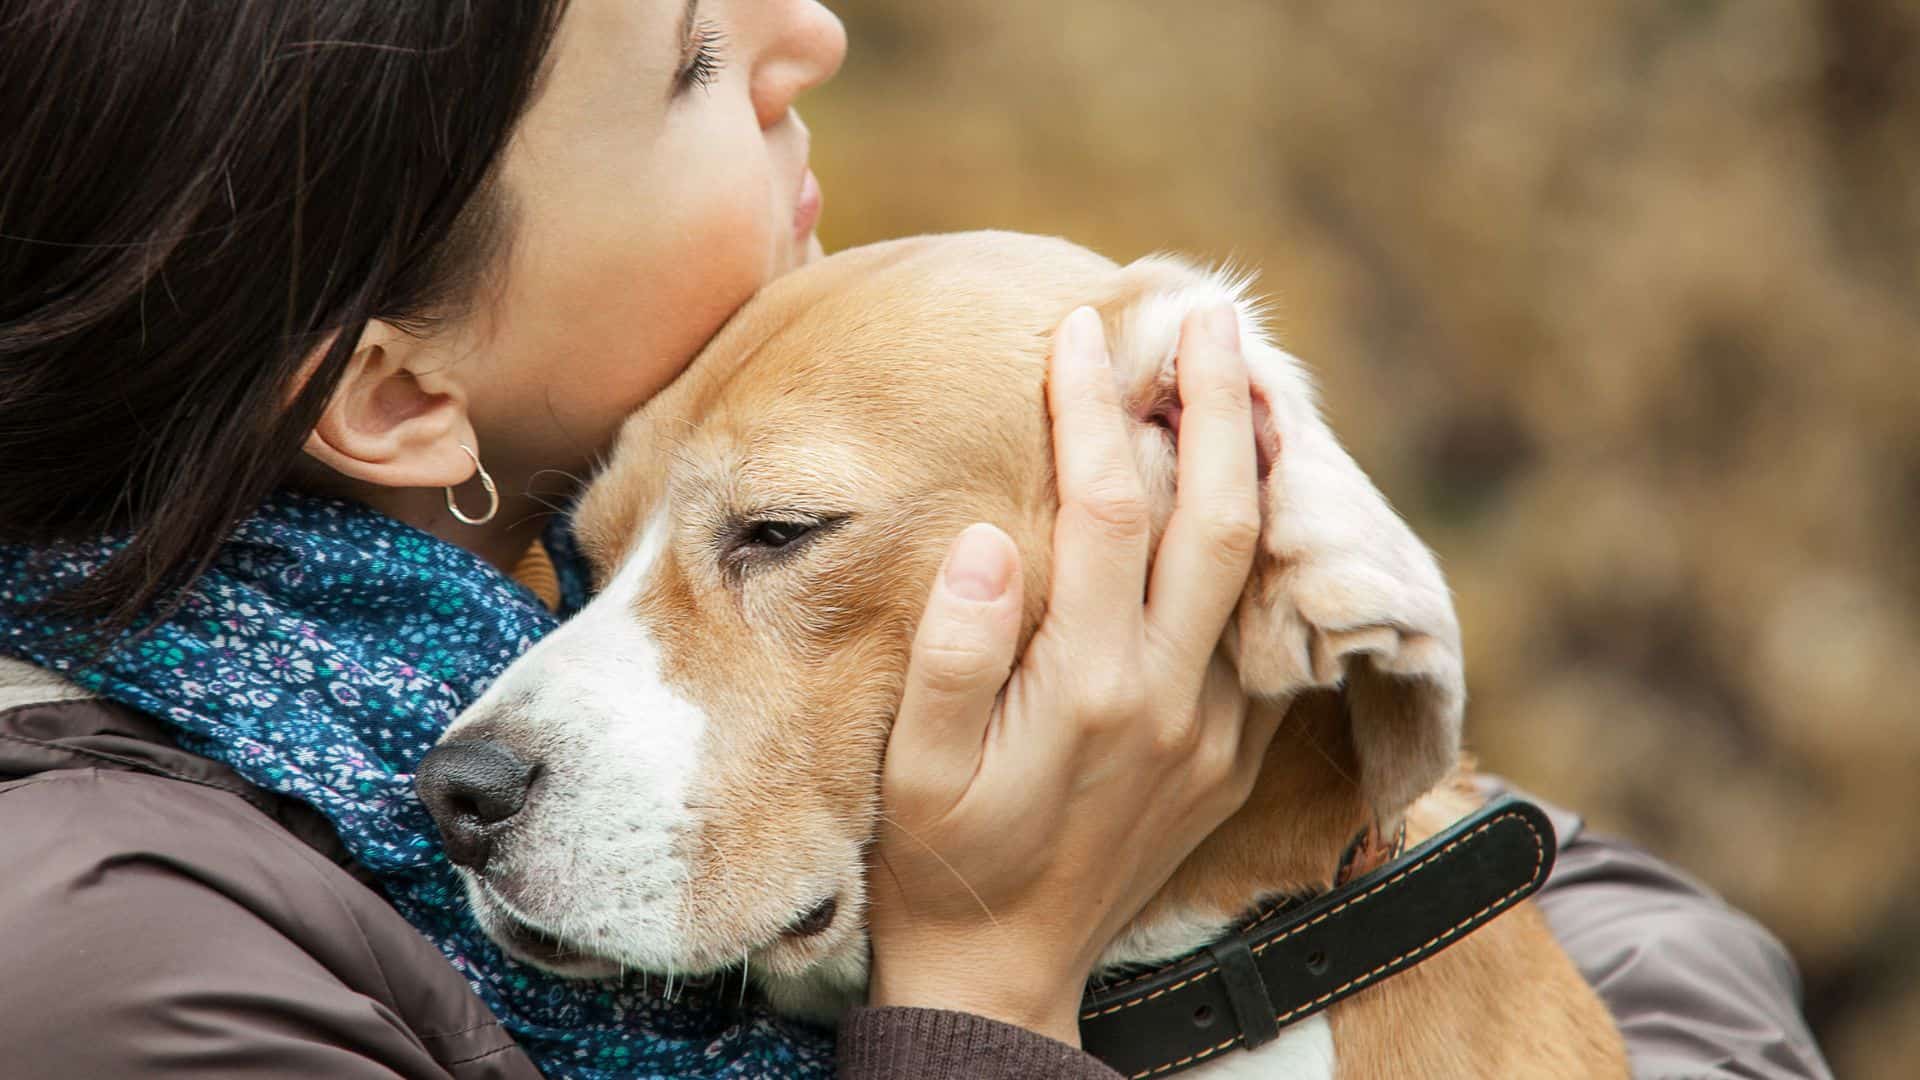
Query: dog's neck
pixel 1287 840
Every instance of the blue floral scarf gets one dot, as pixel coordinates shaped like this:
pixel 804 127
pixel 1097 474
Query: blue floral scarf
pixel 321 657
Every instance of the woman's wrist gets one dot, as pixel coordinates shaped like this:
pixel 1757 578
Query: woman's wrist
pixel 1000 986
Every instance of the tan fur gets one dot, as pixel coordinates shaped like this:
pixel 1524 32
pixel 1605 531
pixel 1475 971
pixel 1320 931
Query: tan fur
pixel 902 386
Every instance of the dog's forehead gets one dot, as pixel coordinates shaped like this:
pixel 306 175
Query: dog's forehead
pixel 888 363
pixel 906 347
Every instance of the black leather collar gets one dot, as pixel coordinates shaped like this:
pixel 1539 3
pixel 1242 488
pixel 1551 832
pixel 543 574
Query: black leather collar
pixel 1293 960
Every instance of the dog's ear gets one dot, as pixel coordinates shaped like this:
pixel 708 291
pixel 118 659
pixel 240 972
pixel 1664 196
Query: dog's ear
pixel 1342 595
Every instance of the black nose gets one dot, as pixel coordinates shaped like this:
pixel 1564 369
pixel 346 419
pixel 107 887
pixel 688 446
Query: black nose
pixel 472 788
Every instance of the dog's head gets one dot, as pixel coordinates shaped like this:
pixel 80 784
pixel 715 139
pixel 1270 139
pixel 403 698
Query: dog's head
pixel 685 775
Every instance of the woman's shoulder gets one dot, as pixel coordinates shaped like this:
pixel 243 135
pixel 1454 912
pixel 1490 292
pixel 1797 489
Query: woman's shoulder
pixel 160 912
pixel 83 779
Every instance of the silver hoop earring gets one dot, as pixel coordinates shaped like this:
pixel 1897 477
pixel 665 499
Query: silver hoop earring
pixel 493 493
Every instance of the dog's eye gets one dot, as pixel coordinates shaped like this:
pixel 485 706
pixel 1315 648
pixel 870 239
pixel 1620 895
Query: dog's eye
pixel 765 541
pixel 775 535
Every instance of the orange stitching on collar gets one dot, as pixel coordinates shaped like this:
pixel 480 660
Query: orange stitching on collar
pixel 1429 859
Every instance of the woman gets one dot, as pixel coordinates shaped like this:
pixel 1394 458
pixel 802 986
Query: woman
pixel 354 249
pixel 275 279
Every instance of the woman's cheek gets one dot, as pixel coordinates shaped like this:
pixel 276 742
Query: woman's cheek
pixel 673 301
pixel 719 267
pixel 604 309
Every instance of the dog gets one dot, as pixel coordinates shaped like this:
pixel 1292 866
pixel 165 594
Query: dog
pixel 684 777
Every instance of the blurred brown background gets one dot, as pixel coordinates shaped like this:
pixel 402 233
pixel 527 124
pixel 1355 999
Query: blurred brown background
pixel 1618 301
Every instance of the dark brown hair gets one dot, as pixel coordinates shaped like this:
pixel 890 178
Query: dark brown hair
pixel 194 194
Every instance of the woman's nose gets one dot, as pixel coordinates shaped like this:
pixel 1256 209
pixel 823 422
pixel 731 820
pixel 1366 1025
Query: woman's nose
pixel 804 52
pixel 473 789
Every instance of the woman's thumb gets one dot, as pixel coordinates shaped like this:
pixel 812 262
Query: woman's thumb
pixel 961 657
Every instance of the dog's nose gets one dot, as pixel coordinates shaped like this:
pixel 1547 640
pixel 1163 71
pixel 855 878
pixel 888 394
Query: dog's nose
pixel 471 788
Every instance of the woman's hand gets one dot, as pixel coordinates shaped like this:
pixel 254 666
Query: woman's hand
pixel 1024 829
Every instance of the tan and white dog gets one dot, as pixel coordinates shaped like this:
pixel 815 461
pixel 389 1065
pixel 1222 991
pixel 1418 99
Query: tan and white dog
pixel 702 744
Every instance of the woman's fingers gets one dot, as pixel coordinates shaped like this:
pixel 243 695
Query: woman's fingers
pixel 1101 535
pixel 961 656
pixel 1258 724
pixel 1053 820
pixel 1201 567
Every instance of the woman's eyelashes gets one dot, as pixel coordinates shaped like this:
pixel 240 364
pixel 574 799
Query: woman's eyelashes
pixel 704 57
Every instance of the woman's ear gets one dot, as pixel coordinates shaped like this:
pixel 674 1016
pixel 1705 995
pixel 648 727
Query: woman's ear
pixel 396 419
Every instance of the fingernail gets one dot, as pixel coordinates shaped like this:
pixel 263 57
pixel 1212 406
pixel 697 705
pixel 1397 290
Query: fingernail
pixel 980 565
pixel 1223 325
pixel 1081 335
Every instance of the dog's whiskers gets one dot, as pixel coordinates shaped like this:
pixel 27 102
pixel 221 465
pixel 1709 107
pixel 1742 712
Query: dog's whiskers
pixel 957 876
pixel 577 481
pixel 1318 749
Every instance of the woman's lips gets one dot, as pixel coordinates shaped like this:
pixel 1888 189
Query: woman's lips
pixel 806 209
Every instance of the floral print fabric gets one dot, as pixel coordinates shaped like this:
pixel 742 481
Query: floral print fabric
pixel 321 656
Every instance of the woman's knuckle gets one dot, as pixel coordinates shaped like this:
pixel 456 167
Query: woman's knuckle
pixel 1119 707
pixel 946 666
pixel 1235 527
pixel 1225 395
pixel 1113 698
pixel 1117 505
pixel 1177 738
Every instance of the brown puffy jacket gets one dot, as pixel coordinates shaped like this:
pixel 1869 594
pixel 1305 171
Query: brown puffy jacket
pixel 161 917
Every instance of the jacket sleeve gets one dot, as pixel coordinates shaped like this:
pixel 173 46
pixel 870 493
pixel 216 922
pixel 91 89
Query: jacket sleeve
pixel 929 1044
pixel 1698 988
pixel 151 931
